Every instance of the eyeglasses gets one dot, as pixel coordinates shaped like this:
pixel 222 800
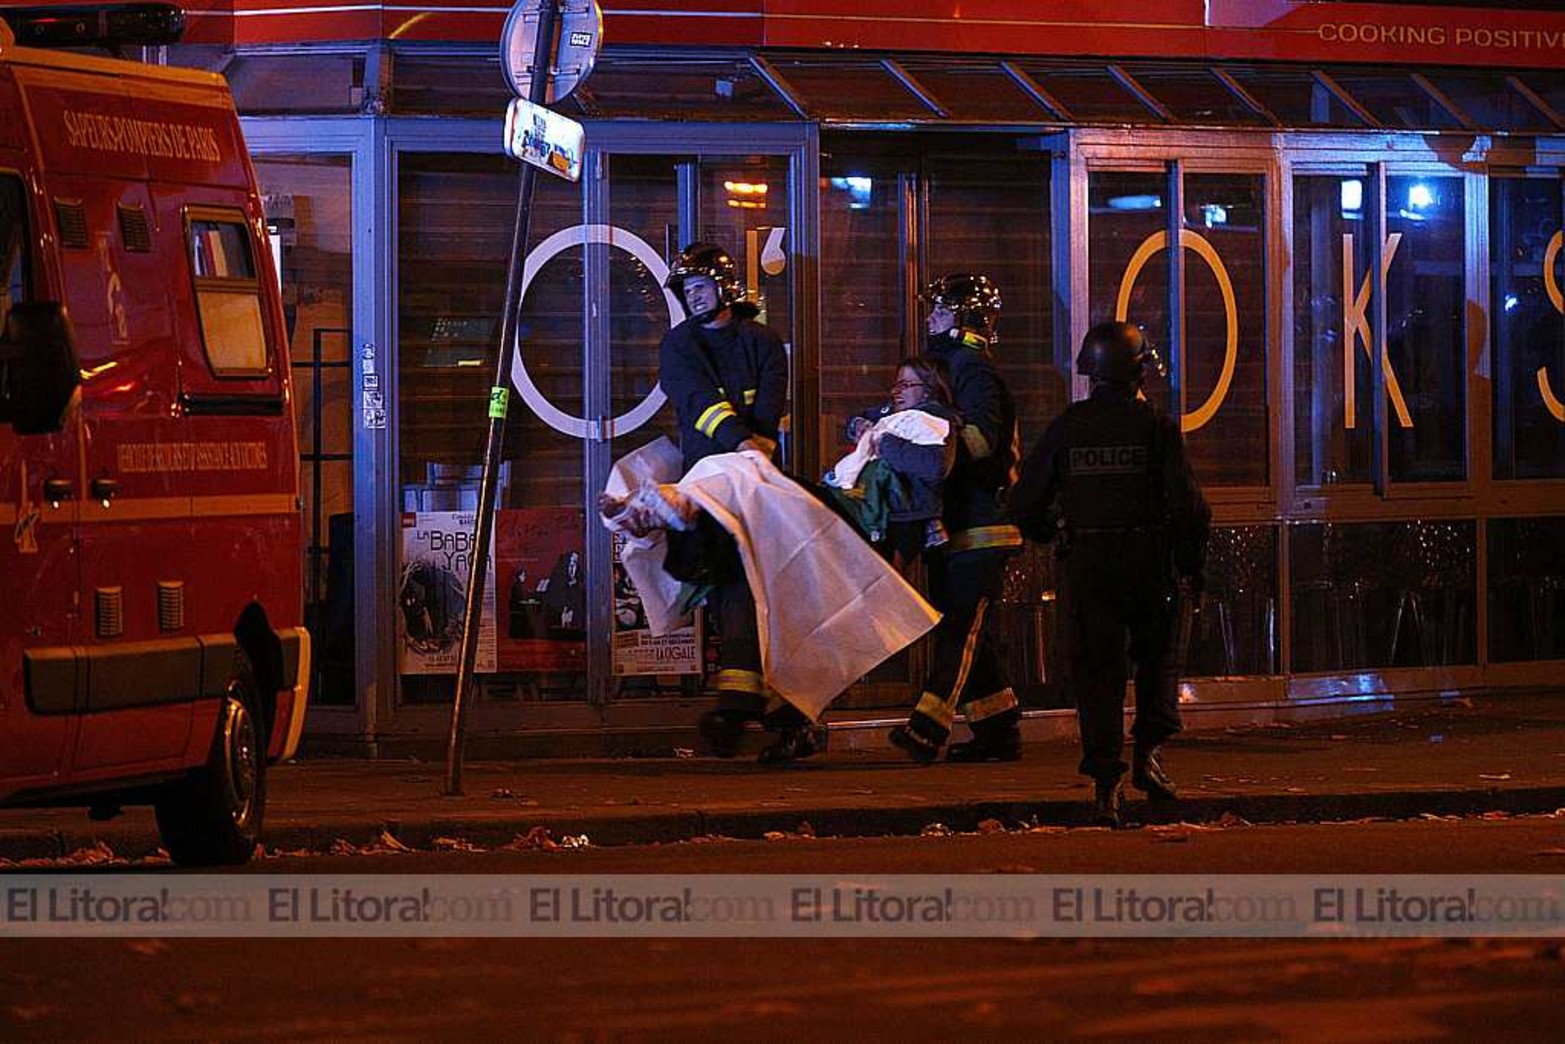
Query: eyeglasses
pixel 902 386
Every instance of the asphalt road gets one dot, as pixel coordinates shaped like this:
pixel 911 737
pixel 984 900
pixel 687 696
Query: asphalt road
pixel 727 989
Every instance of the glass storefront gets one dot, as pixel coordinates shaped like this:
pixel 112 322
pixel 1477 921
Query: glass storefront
pixel 309 208
pixel 1365 338
pixel 1528 326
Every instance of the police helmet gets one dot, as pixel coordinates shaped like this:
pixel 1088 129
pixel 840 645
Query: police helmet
pixel 1117 353
pixel 711 260
pixel 973 299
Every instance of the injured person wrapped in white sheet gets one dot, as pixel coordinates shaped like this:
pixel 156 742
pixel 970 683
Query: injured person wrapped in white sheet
pixel 828 607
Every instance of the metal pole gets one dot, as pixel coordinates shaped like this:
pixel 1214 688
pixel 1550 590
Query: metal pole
pixel 499 399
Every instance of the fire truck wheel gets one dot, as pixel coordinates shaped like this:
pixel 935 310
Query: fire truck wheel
pixel 213 818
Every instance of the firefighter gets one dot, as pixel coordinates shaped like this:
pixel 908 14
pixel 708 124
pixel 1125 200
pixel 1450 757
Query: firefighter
pixel 1109 483
pixel 727 377
pixel 967 572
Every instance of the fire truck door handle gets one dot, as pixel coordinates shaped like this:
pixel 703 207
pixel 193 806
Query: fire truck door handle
pixel 56 490
pixel 103 489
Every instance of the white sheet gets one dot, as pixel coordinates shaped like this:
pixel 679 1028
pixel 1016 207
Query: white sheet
pixel 828 608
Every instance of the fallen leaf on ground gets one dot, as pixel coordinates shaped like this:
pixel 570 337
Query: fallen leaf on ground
pixel 538 837
pixel 389 842
pixel 935 830
pixel 454 844
pixel 94 854
pixel 991 826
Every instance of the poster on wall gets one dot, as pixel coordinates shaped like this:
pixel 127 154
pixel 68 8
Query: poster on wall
pixel 636 649
pixel 432 595
pixel 541 584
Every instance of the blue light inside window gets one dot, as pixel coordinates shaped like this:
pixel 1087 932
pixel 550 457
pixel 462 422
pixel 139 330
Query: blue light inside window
pixel 1135 202
pixel 858 189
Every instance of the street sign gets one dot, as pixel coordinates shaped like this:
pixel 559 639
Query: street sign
pixel 544 138
pixel 580 35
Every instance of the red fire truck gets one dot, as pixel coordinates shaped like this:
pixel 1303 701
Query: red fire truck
pixel 150 642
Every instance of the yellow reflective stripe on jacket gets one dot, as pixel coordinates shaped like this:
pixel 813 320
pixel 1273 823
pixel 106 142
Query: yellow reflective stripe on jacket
pixel 712 416
pixel 980 537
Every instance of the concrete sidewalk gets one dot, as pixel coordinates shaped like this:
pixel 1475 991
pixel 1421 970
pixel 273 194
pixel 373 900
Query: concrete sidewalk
pixel 1498 753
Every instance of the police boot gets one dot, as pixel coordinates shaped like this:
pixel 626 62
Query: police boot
pixel 993 744
pixel 1106 803
pixel 1146 772
pixel 722 729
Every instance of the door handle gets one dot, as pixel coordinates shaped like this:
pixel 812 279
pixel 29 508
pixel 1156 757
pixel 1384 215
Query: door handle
pixel 104 489
pixel 56 490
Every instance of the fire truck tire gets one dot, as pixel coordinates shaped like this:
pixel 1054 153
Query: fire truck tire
pixel 213 817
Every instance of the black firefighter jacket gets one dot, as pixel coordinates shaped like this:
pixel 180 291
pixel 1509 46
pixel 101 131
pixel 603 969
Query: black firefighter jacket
pixel 725 384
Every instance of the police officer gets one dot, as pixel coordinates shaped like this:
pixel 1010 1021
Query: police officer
pixel 1110 479
pixel 967 572
pixel 727 377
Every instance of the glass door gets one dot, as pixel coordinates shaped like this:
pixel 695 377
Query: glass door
pixel 646 206
pixel 1383 562
pixel 1206 306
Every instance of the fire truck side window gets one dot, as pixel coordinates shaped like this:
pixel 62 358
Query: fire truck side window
pixel 13 243
pixel 228 295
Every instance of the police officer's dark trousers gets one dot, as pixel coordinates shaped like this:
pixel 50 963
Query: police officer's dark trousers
pixel 966 668
pixel 1119 585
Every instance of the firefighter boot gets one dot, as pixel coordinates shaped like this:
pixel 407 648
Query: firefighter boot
pixel 913 743
pixel 1106 802
pixel 797 737
pixel 1148 775
pixel 721 729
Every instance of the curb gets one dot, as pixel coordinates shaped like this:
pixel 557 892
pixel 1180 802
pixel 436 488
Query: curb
pixel 132 841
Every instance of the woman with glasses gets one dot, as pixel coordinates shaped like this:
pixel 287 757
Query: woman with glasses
pixel 891 485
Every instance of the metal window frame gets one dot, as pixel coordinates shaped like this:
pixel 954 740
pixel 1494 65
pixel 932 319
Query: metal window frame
pixel 374 557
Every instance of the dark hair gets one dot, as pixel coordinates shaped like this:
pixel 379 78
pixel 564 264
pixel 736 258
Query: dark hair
pixel 933 373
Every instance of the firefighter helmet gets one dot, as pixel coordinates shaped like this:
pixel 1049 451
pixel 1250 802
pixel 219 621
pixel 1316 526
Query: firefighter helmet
pixel 712 261
pixel 973 299
pixel 1117 353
